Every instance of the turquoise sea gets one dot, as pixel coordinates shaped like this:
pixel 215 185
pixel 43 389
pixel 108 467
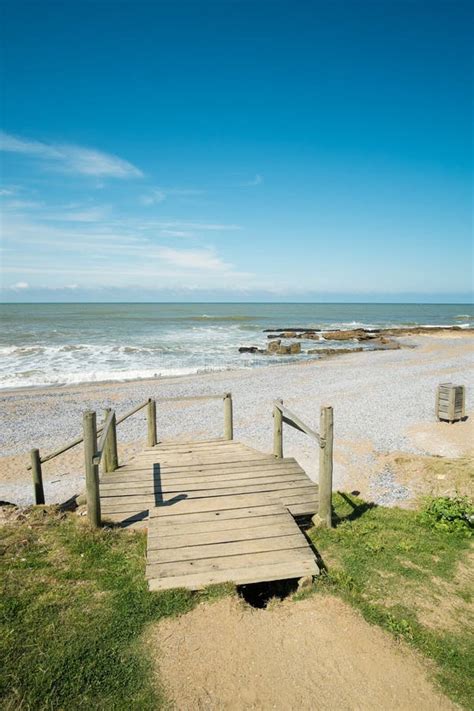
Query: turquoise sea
pixel 54 344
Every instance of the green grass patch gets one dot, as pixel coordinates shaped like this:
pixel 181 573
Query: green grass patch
pixel 74 603
pixel 409 572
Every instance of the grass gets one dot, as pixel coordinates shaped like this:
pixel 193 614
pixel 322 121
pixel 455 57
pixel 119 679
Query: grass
pixel 412 576
pixel 74 601
pixel 74 604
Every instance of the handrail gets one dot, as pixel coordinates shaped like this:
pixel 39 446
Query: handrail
pixel 105 449
pixel 192 397
pixel 293 420
pixel 80 439
pixel 282 414
pixel 103 437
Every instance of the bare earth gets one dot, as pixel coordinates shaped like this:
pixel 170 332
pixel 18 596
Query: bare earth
pixel 383 405
pixel 315 654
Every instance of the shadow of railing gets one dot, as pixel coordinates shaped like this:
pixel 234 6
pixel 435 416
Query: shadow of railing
pixel 158 489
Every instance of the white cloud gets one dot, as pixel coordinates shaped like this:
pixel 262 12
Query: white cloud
pixel 154 197
pixel 202 226
pixel 176 233
pixel 87 214
pixel 258 180
pixel 21 285
pixel 71 158
pixel 193 259
pixel 158 195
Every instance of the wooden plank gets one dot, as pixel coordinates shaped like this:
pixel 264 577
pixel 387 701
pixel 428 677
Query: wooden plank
pixel 193 459
pixel 248 514
pixel 216 503
pixel 230 464
pixel 246 560
pixel 167 486
pixel 240 576
pixel 203 444
pixel 159 540
pixel 158 557
pixel 108 483
pixel 300 489
pixel 195 473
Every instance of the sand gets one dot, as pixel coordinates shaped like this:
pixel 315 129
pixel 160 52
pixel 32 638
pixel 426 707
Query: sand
pixel 313 654
pixel 383 404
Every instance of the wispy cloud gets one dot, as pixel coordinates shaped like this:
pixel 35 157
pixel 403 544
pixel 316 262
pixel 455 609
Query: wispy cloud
pixel 257 180
pixel 111 253
pixel 200 226
pixel 197 259
pixel 71 158
pixel 157 195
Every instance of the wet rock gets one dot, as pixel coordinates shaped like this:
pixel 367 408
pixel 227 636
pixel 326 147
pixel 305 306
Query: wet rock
pixel 274 346
pixel 295 348
pixel 248 349
pixel 333 351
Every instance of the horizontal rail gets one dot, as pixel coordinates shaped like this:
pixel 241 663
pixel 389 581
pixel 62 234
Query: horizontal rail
pixel 293 420
pixel 121 419
pixel 131 412
pixel 80 439
pixel 191 397
pixel 103 437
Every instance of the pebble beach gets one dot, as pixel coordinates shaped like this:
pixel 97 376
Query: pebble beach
pixel 383 404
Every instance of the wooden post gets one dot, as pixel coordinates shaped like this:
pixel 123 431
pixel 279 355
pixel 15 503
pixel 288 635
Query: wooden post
pixel 228 417
pixel 92 470
pixel 37 476
pixel 326 431
pixel 112 453
pixel 106 453
pixel 277 431
pixel 151 422
pixel 110 456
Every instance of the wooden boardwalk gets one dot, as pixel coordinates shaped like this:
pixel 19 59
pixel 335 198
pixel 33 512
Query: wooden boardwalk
pixel 215 511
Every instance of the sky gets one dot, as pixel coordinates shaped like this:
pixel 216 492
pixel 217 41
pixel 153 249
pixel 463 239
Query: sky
pixel 236 150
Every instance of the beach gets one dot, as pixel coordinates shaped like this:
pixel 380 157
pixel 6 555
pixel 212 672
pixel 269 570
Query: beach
pixel 383 407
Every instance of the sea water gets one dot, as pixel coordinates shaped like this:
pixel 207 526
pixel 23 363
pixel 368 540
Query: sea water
pixel 60 344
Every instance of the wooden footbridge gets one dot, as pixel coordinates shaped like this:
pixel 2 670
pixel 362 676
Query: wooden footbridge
pixel 215 511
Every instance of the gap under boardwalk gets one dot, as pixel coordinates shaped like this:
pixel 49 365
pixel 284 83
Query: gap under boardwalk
pixel 215 511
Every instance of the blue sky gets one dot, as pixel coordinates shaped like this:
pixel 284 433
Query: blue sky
pixel 236 150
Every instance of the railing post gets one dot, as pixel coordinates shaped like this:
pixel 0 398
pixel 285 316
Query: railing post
pixel 92 470
pixel 326 430
pixel 110 456
pixel 277 431
pixel 112 461
pixel 37 476
pixel 228 417
pixel 151 422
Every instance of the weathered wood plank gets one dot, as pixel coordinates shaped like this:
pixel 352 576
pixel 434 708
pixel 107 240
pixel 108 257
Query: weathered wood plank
pixel 240 576
pixel 292 555
pixel 157 538
pixel 107 483
pixel 233 486
pixel 292 492
pixel 210 517
pixel 290 541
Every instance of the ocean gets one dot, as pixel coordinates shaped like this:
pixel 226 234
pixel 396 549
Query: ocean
pixel 60 344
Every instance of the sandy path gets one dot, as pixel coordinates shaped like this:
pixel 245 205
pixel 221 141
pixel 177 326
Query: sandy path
pixel 316 654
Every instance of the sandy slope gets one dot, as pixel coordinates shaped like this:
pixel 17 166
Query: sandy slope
pixel 312 655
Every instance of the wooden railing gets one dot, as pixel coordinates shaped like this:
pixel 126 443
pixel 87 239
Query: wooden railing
pixel 282 415
pixel 105 450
